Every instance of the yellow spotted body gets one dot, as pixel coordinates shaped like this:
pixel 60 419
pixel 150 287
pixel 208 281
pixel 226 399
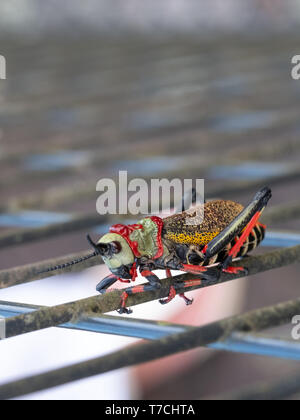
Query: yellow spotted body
pixel 197 238
pixel 217 215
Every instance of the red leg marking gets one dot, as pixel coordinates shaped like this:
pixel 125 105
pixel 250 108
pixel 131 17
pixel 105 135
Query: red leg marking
pixel 186 299
pixel 146 273
pixel 123 299
pixel 137 289
pixel 171 296
pixel 168 272
pixel 233 270
pixel 193 269
pixel 123 281
pixel 262 225
pixel 189 283
pixel 133 272
pixel 123 308
pixel 235 249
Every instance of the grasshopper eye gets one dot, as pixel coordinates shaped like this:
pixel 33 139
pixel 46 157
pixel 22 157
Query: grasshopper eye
pixel 116 247
pixel 106 249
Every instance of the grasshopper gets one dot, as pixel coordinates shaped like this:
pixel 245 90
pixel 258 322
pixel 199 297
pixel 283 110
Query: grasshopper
pixel 228 231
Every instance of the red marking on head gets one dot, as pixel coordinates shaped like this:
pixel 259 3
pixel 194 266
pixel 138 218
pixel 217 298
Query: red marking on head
pixel 125 231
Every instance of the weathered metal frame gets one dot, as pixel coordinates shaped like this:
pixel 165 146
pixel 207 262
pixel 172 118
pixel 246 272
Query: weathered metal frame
pixel 234 334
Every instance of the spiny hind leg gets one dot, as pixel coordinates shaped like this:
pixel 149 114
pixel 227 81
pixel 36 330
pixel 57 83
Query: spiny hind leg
pixel 248 215
pixel 226 265
pixel 241 225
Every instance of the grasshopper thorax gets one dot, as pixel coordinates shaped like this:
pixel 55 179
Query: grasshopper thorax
pixel 124 244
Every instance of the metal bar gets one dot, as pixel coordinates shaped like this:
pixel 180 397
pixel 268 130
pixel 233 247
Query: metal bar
pixel 152 330
pixel 30 272
pixel 106 324
pixel 281 213
pixel 281 239
pixel 259 345
pixel 257 320
pixel 60 314
pixel 63 195
pixel 77 222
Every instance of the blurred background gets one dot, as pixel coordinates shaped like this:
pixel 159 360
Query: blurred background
pixel 179 88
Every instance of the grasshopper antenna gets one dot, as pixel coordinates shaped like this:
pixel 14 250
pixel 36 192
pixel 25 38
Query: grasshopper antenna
pixel 68 264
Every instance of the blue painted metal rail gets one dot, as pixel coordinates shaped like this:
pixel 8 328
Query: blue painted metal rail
pixel 281 239
pixel 151 330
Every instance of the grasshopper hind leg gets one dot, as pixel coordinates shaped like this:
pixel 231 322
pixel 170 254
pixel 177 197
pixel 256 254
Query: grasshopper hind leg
pixel 242 225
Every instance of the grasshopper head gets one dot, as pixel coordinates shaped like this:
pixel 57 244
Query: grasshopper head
pixel 116 254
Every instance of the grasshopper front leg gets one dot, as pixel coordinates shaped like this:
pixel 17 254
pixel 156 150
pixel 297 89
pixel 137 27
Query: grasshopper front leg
pixel 154 284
